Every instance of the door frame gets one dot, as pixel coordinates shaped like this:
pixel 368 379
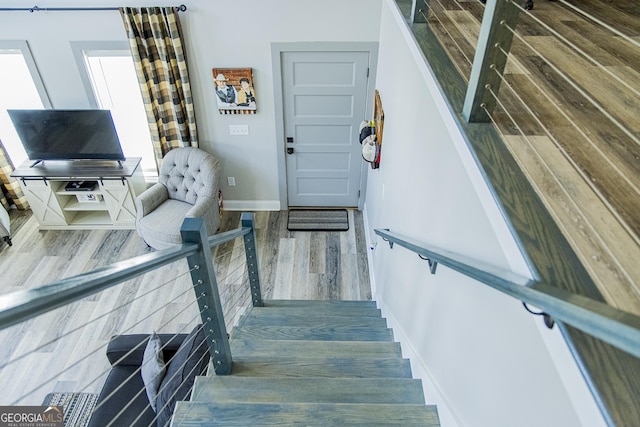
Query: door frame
pixel 276 60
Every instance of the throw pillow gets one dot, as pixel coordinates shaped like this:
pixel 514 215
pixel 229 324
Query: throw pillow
pixel 190 360
pixel 153 368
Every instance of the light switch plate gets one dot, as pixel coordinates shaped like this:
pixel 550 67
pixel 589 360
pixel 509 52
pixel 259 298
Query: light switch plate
pixel 238 129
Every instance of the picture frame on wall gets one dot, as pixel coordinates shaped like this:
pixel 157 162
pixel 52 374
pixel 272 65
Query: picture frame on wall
pixel 234 90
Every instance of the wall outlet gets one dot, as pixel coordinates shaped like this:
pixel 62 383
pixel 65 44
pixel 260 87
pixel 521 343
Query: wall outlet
pixel 231 181
pixel 238 129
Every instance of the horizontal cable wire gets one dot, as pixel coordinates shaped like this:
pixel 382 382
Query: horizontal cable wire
pixel 133 374
pixel 444 27
pixel 601 23
pixel 86 385
pixel 566 155
pixel 190 373
pixel 234 270
pixel 4 365
pixel 581 91
pixel 584 54
pixel 77 362
pixel 223 254
pixel 240 265
pixel 557 144
pixel 138 370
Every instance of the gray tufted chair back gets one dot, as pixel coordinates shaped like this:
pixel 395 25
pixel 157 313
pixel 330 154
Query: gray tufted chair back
pixel 189 174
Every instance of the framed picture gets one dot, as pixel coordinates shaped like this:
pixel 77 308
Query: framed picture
pixel 234 90
pixel 378 117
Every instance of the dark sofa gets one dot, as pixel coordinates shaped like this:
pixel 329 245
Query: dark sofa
pixel 186 356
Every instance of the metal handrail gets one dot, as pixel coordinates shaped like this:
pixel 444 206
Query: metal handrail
pixel 19 306
pixel 616 327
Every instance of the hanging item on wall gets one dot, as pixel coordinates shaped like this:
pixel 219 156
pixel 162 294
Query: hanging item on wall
pixel 371 135
pixel 234 90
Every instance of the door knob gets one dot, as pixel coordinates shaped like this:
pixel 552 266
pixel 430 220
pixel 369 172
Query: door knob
pixel 289 150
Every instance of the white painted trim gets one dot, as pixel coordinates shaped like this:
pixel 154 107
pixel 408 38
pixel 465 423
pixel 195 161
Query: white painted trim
pixel 23 47
pixel 371 245
pixel 251 205
pixel 108 47
pixel 433 394
pixel 430 388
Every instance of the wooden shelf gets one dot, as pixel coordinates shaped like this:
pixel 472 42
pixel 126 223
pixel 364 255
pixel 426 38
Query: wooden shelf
pixel 75 205
pixel 91 218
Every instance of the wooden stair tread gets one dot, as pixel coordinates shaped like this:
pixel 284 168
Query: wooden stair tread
pixel 342 367
pixel 338 333
pixel 309 414
pixel 310 390
pixel 262 319
pixel 314 363
pixel 274 348
pixel 318 303
pixel 349 311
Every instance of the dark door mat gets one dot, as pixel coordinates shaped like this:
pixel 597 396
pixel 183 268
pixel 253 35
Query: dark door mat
pixel 318 220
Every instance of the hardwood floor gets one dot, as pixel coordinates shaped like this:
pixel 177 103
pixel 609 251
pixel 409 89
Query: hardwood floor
pixel 71 340
pixel 577 139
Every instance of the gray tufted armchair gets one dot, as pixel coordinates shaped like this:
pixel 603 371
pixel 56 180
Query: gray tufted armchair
pixel 187 186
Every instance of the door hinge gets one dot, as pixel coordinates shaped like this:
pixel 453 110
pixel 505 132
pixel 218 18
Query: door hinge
pixel 358 194
pixel 367 72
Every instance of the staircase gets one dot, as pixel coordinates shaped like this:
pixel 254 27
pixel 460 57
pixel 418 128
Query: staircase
pixel 324 363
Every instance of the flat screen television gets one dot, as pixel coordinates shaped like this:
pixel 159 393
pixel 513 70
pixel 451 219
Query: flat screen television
pixel 67 134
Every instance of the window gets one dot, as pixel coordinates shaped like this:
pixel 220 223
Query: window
pixel 111 77
pixel 20 88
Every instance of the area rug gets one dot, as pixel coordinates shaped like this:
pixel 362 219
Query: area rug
pixel 318 220
pixel 77 406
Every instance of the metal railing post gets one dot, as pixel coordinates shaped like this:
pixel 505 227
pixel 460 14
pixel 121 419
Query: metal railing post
pixel 489 61
pixel 252 259
pixel 206 289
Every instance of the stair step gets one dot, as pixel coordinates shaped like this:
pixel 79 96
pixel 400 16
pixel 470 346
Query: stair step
pixel 261 318
pixel 326 310
pixel 309 414
pixel 337 333
pixel 275 348
pixel 293 365
pixel 318 304
pixel 230 389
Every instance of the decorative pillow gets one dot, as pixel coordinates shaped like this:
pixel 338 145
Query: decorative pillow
pixel 190 360
pixel 153 368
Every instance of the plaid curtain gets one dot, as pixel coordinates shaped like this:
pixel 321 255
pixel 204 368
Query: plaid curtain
pixel 155 39
pixel 10 193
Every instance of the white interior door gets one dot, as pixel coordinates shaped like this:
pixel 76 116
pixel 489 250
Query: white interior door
pixel 324 96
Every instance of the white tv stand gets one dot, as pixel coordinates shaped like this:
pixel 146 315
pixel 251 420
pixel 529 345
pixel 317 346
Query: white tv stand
pixel 109 205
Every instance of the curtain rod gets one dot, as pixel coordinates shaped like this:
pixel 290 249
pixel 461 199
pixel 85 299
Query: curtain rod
pixel 181 8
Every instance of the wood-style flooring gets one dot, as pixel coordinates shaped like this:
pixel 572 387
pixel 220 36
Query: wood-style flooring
pixel 578 137
pixel 64 350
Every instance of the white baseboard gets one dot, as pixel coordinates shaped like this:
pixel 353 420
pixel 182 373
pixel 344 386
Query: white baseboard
pixel 433 394
pixel 251 205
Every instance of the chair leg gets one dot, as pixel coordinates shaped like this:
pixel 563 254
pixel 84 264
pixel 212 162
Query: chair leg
pixel 8 240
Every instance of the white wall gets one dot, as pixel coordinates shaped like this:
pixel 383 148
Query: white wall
pixel 219 33
pixel 483 359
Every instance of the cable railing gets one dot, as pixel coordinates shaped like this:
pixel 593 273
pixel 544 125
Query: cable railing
pixel 88 335
pixel 566 106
